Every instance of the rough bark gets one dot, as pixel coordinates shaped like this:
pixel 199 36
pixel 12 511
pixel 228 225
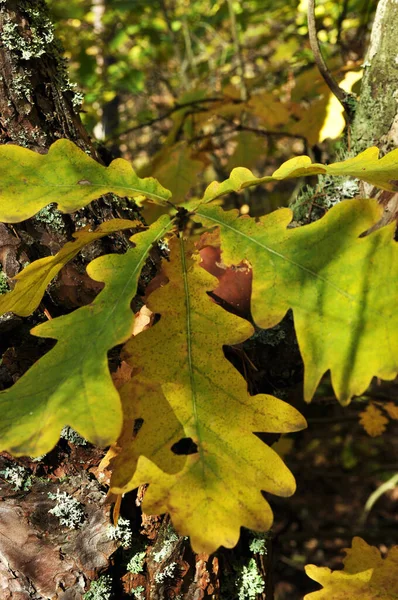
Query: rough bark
pixel 38 104
pixel 376 118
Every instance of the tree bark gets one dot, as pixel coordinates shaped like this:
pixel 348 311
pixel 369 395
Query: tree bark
pixel 38 104
pixel 376 118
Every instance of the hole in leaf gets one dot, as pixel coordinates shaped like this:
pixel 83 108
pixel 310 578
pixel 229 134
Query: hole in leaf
pixel 138 423
pixel 184 446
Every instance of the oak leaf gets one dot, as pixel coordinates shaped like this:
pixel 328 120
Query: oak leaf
pixel 219 488
pixel 67 176
pixel 391 409
pixel 176 170
pixel 382 173
pixel 71 384
pixel 366 575
pixel 31 283
pixel 373 420
pixel 330 276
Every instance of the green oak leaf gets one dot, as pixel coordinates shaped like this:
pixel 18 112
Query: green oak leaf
pixel 341 286
pixel 66 175
pixel 71 384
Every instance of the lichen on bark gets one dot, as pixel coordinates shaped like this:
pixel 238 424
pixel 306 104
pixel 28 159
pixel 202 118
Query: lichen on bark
pixel 376 120
pixel 38 103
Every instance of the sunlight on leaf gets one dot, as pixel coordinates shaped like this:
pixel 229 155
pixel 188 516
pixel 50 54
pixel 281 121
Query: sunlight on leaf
pixel 219 488
pixel 71 384
pixel 382 173
pixel 366 575
pixel 66 175
pixel 31 283
pixel 325 272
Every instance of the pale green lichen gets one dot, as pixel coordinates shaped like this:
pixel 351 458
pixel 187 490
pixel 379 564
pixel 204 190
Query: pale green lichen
pixel 258 545
pixel 72 436
pixel 34 45
pixel 167 573
pixel 167 546
pixel 4 287
pixel 39 40
pixel 312 203
pixel 138 593
pixel 18 476
pixel 52 217
pixel 250 583
pixel 269 337
pixel 68 510
pixel 121 532
pixel 100 589
pixel 136 563
pixel 21 85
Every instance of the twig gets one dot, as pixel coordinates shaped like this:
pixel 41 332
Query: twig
pixel 168 113
pixel 237 127
pixel 343 97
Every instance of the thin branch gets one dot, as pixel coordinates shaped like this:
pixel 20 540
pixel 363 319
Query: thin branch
pixel 169 112
pixel 235 128
pixel 343 97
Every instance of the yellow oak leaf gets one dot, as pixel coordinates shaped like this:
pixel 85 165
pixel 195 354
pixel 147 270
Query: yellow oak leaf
pixel 373 420
pixel 366 575
pixel 31 283
pixel 226 465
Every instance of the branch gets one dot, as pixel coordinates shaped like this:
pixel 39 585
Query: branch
pixel 235 127
pixel 343 97
pixel 167 114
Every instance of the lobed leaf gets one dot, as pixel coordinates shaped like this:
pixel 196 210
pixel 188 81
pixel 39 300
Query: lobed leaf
pixel 219 488
pixel 31 283
pixel 66 175
pixel 71 384
pixel 331 277
pixel 382 173
pixel 373 421
pixel 366 576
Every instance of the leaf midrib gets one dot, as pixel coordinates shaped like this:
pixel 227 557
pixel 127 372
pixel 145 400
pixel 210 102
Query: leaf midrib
pixel 279 255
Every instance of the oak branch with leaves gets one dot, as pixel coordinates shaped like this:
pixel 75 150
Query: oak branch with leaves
pixel 328 273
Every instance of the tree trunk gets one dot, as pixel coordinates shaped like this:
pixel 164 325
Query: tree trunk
pixel 376 118
pixel 38 104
